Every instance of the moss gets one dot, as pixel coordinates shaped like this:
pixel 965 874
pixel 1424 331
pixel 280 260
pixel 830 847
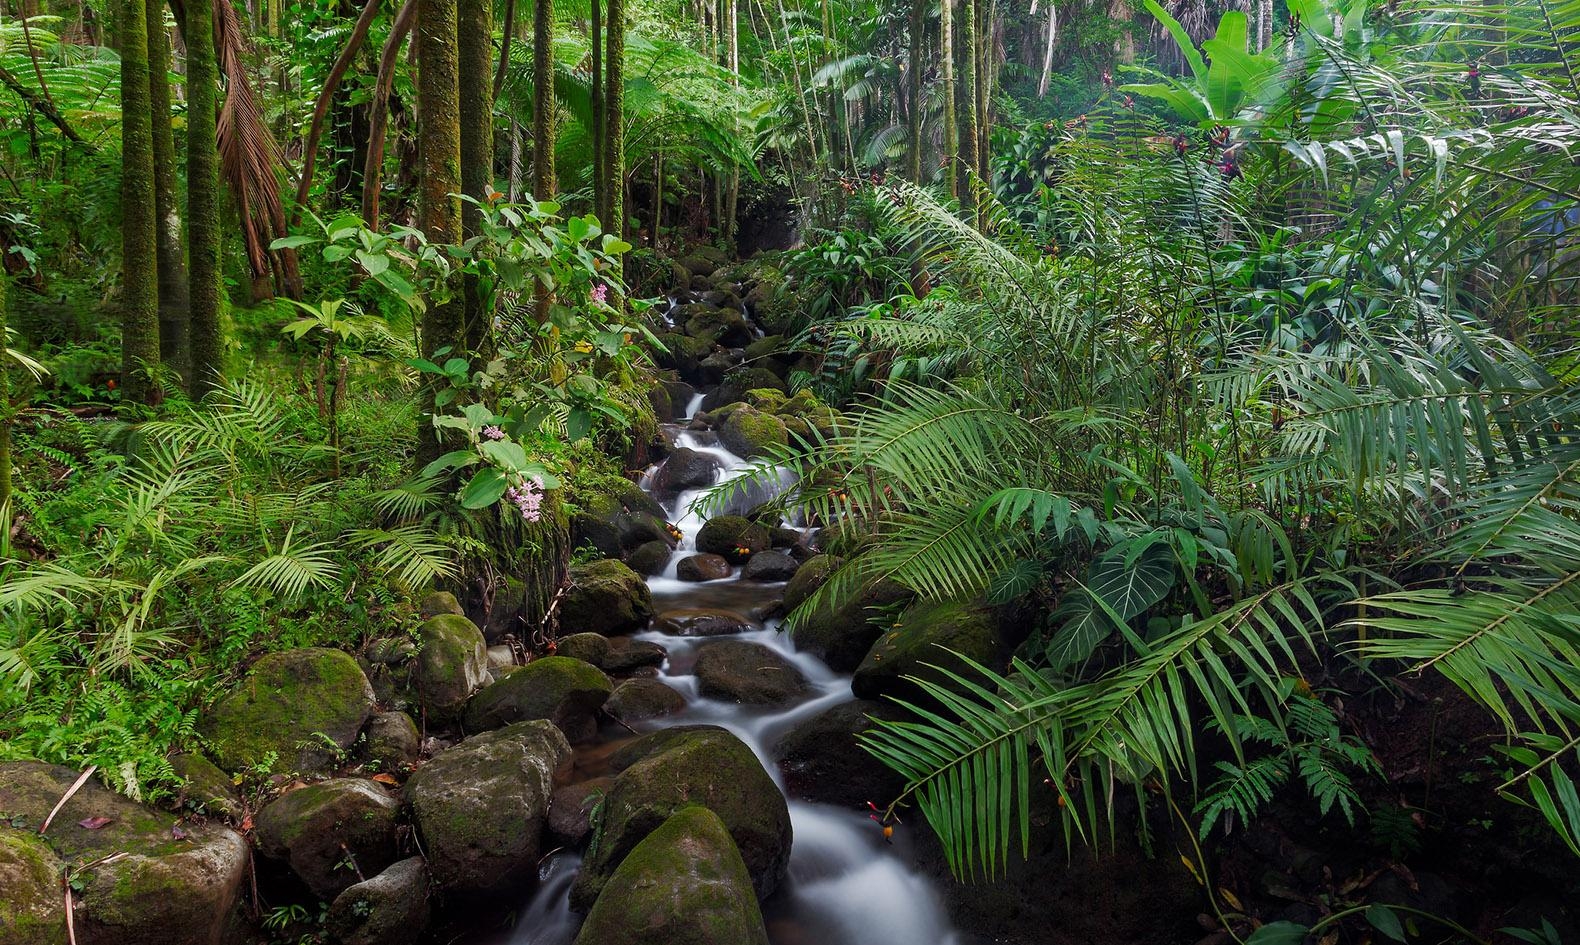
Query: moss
pixel 749 433
pixel 606 597
pixel 565 691
pixel 30 909
pixel 452 661
pixel 286 707
pixel 766 399
pixel 723 534
pixel 811 576
pixel 918 640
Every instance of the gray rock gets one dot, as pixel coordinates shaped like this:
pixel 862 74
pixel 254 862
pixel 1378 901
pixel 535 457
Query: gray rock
pixel 703 623
pixel 564 691
pixel 452 663
pixel 606 597
pixel 749 673
pixel 638 699
pixel 703 567
pixel 327 832
pixel 389 909
pixel 393 741
pixel 770 566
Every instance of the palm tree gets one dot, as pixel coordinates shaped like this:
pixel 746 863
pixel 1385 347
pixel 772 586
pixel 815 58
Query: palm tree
pixel 174 340
pixel 204 231
pixel 477 143
pixel 139 213
pixel 439 151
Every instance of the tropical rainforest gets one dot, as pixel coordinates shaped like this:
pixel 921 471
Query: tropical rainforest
pixel 732 472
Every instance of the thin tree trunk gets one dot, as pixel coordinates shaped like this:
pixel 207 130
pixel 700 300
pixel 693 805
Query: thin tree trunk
pixel 373 164
pixel 946 55
pixel 337 72
pixel 732 55
pixel 614 125
pixel 599 116
pixel 203 197
pixel 507 34
pixel 544 184
pixel 914 75
pixel 7 414
pixel 966 101
pixel 986 15
pixel 1047 55
pixel 1264 24
pixel 139 213
pixel 476 18
pixel 174 349
pixel 439 156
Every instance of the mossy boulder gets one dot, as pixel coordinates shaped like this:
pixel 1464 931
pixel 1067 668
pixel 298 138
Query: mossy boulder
pixel 565 691
pixel 703 567
pixel 158 890
pixel 841 632
pixel 451 664
pixel 606 597
pixel 627 655
pixel 750 433
pixel 480 807
pixel 739 382
pixel 440 602
pixel 813 574
pixel 650 557
pixel 681 353
pixel 296 710
pixel 329 832
pixel 205 789
pixel 685 884
pixel 391 741
pixel 728 536
pixel 31 906
pixel 924 636
pixel 588 647
pixel 748 673
pixel 721 326
pixel 389 909
pixel 770 566
pixel 599 519
pixel 636 700
pixel 703 766
pixel 571 811
pixel 822 758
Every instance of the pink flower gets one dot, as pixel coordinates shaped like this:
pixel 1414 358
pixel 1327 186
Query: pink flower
pixel 493 432
pixel 600 293
pixel 528 498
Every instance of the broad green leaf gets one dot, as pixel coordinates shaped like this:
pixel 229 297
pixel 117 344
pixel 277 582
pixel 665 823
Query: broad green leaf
pixel 484 490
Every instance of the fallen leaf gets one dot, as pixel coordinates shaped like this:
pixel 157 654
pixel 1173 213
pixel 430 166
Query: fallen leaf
pixel 177 832
pixel 385 778
pixel 94 823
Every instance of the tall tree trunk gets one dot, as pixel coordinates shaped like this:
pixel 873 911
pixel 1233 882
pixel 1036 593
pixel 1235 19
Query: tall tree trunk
pixel 946 56
pixel 599 109
pixel 139 213
pixel 7 414
pixel 987 15
pixel 373 164
pixel 203 197
pixel 173 342
pixel 439 156
pixel 913 70
pixel 476 18
pixel 732 56
pixel 966 100
pixel 507 35
pixel 1264 24
pixel 544 184
pixel 1047 54
pixel 614 122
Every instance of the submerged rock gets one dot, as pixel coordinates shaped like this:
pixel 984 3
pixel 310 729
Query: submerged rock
pixel 606 597
pixel 702 766
pixel 452 663
pixel 749 673
pixel 702 623
pixel 480 807
pixel 146 885
pixel 389 909
pixel 565 691
pixel 296 710
pixel 330 832
pixel 684 883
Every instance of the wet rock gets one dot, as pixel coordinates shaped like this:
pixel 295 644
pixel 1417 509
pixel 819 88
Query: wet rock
pixel 729 535
pixel 500 657
pixel 440 602
pixel 770 566
pixel 650 557
pixel 681 354
pixel 823 761
pixel 294 711
pixel 587 647
pixel 452 663
pixel 711 369
pixel 663 407
pixel 571 809
pixel 629 655
pixel 392 741
pixel 926 636
pixel 145 886
pixel 389 909
pixel 840 633
pixel 205 790
pixel 733 387
pixel 639 528
pixel 703 623
pixel 636 700
pixel 703 567
pixel 720 326
pixel 685 469
pixel 750 433
pixel 500 612
pixel 481 806
pixel 653 743
pixel 606 597
pixel 327 832
pixel 685 882
pixel 680 394
pixel 811 576
pixel 598 522
pixel 749 673
pixel 706 767
pixel 564 691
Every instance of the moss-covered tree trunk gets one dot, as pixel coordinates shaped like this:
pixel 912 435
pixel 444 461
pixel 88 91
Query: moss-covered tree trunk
pixel 543 182
pixel 987 16
pixel 598 107
pixel 946 59
pixel 174 349
pixel 614 116
pixel 913 70
pixel 7 415
pixel 732 56
pixel 204 200
pixel 139 214
pixel 476 42
pixel 439 159
pixel 966 100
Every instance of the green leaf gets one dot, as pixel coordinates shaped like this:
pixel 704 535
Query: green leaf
pixel 578 423
pixel 484 490
pixel 507 454
pixel 293 242
pixel 1279 933
pixel 451 460
pixel 1386 921
pixel 374 263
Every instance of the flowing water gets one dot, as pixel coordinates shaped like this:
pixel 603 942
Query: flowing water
pixel 846 885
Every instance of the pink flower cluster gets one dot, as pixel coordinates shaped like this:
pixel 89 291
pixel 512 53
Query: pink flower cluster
pixel 493 432
pixel 528 497
pixel 600 293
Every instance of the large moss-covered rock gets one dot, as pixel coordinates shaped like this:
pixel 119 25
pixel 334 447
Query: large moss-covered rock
pixel 31 907
pixel 295 711
pixel 749 433
pixel 588 647
pixel 599 518
pixel 389 909
pixel 565 691
pixel 823 760
pixel 638 699
pixel 749 673
pixel 737 383
pixel 329 832
pixel 730 535
pixel 811 576
pixel 703 766
pixel 205 789
pixel 926 636
pixel 841 632
pixel 452 663
pixel 684 884
pixel 164 887
pixel 480 807
pixel 650 557
pixel 606 597
pixel 392 742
